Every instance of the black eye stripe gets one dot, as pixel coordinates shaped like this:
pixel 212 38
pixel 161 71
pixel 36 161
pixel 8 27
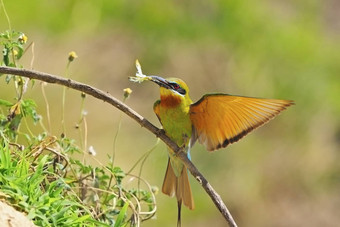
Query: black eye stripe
pixel 175 86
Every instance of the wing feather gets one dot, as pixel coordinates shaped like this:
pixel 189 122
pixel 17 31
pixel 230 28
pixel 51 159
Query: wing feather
pixel 156 109
pixel 221 119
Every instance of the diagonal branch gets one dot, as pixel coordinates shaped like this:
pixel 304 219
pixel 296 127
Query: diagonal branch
pixel 106 97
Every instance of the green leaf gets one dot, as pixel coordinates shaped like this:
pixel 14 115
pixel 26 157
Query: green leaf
pixel 5 103
pixel 5 157
pixel 28 107
pixel 8 77
pixel 4 35
pixel 5 54
pixel 121 216
pixel 23 167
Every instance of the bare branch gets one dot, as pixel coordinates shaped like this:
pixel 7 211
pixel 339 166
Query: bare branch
pixel 106 97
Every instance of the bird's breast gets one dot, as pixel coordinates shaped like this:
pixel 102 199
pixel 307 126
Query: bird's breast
pixel 176 123
pixel 170 101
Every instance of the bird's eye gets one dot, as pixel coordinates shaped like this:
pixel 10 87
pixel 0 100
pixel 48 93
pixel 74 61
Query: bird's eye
pixel 176 86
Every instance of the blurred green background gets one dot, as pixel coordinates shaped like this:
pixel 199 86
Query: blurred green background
pixel 286 173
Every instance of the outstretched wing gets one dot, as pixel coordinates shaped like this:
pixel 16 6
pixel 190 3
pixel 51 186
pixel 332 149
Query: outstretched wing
pixel 221 119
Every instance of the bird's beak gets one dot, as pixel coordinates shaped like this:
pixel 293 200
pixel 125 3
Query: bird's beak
pixel 161 81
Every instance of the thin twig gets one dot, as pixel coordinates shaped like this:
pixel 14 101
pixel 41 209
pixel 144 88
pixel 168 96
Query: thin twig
pixel 47 107
pixel 106 97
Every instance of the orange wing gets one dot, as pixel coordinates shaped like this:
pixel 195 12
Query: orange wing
pixel 220 119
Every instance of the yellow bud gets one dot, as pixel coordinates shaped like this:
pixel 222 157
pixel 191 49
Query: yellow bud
pixel 15 109
pixel 15 52
pixel 155 190
pixel 22 38
pixel 127 92
pixel 72 55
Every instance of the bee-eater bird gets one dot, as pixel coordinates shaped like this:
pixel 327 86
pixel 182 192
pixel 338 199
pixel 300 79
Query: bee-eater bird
pixel 216 120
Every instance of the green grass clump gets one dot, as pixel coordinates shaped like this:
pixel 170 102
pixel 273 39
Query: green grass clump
pixel 41 179
pixel 38 176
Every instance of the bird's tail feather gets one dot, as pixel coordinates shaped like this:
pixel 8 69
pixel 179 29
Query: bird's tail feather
pixel 170 181
pixel 180 187
pixel 179 207
pixel 183 192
